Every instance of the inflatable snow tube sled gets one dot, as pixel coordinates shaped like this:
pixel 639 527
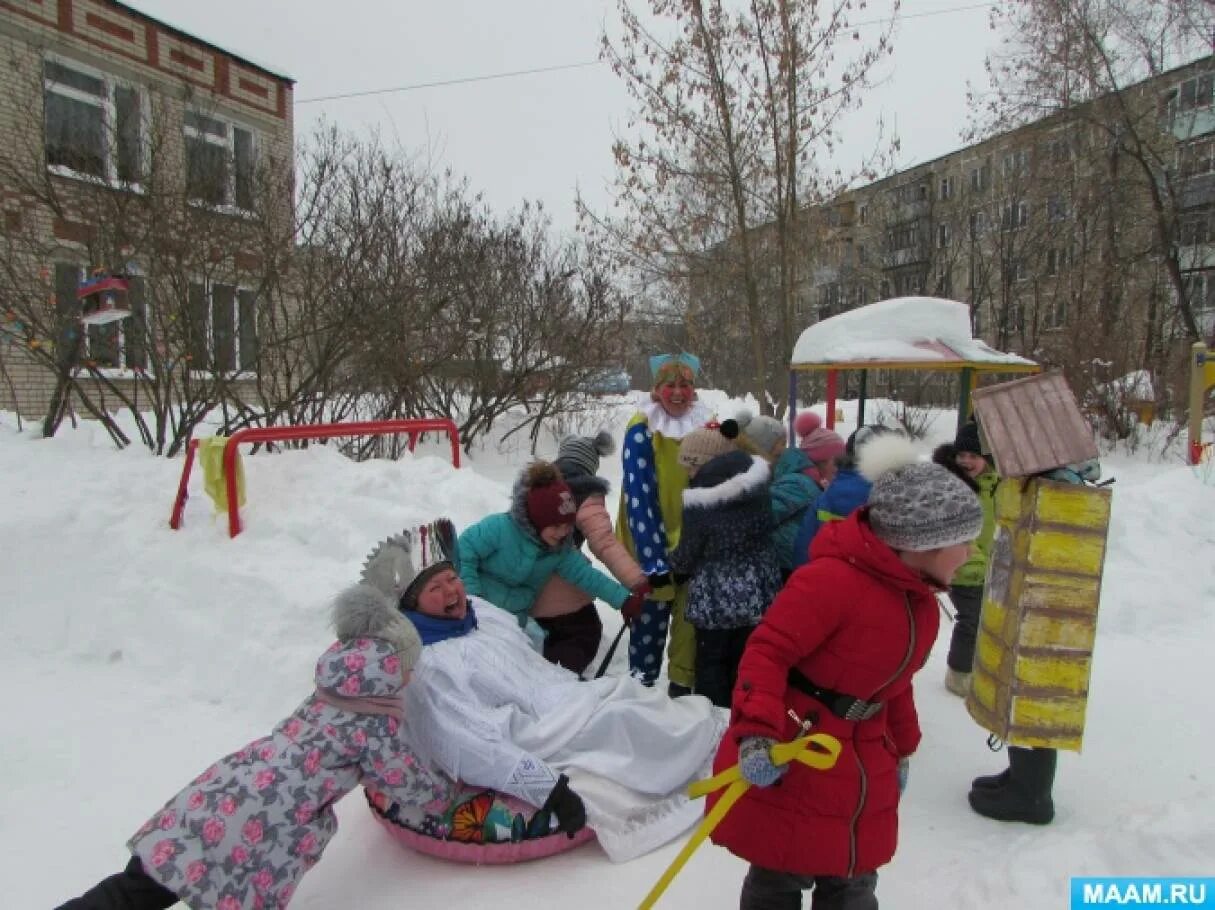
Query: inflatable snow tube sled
pixel 478 827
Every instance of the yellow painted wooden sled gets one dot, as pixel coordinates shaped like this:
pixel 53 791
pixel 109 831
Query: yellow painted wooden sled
pixel 825 754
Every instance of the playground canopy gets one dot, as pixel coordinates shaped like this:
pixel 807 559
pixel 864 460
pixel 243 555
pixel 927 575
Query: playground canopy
pixel 903 333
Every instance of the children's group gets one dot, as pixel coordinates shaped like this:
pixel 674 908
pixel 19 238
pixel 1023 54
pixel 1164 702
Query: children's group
pixel 768 590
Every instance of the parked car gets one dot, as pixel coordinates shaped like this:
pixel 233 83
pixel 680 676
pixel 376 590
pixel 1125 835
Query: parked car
pixel 607 382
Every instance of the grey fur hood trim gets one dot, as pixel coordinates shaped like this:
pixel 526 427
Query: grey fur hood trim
pixel 739 486
pixel 362 611
pixel 518 509
pixel 584 485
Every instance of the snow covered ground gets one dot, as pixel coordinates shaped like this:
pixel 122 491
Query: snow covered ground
pixel 132 656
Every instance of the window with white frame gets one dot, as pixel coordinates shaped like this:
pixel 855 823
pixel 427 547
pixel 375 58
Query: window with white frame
pixel 1196 158
pixel 943 235
pixel 222 328
pixel 863 214
pixel 904 236
pixel 1059 149
pixel 978 224
pixel 1196 227
pixel 944 286
pixel 1057 208
pixel 1015 215
pixel 221 158
pixel 980 177
pixel 1016 163
pixel 1013 317
pixel 117 347
pixel 945 190
pixel 1197 92
pixel 1055 315
pixel 1200 292
pixel 93 123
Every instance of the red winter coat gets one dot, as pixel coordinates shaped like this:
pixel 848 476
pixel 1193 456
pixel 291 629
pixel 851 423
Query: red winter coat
pixel 858 621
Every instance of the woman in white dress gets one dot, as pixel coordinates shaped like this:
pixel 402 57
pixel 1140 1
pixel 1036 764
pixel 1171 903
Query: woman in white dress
pixel 488 709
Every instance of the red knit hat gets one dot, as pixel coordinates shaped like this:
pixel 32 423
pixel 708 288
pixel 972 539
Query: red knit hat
pixel 549 500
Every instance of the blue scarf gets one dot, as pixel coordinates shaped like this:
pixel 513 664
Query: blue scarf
pixel 433 629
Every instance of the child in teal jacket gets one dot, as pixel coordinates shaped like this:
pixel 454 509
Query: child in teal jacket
pixel 508 557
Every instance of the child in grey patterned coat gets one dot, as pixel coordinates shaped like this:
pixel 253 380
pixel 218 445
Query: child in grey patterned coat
pixel 244 832
pixel 726 549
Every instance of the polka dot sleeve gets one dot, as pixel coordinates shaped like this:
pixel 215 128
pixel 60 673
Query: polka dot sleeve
pixel 640 492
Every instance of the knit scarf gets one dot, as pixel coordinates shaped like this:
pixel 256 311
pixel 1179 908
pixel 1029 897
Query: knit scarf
pixel 433 629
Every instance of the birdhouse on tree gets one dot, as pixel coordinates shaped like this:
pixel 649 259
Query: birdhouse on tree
pixel 103 298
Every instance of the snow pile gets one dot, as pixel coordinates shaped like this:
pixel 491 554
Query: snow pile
pixel 134 655
pixel 903 328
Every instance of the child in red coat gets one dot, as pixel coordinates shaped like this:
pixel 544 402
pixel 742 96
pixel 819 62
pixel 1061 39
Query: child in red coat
pixel 835 653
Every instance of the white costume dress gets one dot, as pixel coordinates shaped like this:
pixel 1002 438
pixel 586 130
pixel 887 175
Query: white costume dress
pixel 490 711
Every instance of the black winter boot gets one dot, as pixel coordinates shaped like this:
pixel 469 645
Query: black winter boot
pixel 675 690
pixel 991 781
pixel 1027 795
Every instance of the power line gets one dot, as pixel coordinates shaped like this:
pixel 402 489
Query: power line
pixel 571 66
pixel 935 12
pixel 418 85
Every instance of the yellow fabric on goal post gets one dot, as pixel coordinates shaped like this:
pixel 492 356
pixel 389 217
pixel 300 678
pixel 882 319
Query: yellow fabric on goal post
pixel 824 756
pixel 211 456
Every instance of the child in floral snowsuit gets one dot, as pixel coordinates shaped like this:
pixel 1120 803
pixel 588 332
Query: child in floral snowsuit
pixel 244 832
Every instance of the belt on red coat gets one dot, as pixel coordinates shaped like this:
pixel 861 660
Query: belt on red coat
pixel 846 707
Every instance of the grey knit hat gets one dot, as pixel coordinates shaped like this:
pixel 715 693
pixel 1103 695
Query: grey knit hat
pixel 923 506
pixel 763 432
pixel 917 505
pixel 584 452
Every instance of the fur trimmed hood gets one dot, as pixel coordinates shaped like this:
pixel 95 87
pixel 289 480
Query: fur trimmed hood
pixel 584 485
pixel 537 473
pixel 733 477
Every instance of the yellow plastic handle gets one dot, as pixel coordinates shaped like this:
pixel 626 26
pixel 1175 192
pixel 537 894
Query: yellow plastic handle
pixel 824 755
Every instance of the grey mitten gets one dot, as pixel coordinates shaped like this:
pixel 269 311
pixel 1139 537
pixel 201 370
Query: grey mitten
pixel 755 761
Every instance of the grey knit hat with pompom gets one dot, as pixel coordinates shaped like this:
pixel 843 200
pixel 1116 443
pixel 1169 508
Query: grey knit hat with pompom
pixel 582 453
pixel 916 505
pixel 764 432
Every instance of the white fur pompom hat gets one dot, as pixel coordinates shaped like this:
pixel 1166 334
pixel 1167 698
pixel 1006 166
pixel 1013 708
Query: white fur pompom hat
pixel 916 505
pixel 362 611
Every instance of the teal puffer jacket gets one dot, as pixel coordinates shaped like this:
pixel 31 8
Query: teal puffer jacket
pixel 792 493
pixel 503 559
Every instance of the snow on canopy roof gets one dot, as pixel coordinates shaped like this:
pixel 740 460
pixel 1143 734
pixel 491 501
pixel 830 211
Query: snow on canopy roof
pixel 900 330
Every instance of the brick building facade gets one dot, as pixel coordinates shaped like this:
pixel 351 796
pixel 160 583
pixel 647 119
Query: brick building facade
pixel 128 144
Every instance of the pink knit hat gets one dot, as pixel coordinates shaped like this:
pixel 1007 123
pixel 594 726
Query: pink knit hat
pixel 818 443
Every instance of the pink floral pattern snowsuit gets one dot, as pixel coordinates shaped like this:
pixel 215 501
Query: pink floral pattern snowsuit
pixel 244 832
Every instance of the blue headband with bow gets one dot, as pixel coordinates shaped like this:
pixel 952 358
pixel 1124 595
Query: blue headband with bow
pixel 658 361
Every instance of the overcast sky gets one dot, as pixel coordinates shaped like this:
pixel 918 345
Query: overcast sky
pixel 540 136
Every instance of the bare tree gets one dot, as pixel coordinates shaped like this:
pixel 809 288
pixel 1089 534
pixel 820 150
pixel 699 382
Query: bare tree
pixel 739 112
pixel 1084 61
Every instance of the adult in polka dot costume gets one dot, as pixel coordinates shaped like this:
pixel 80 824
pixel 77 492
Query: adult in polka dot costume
pixel 651 512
